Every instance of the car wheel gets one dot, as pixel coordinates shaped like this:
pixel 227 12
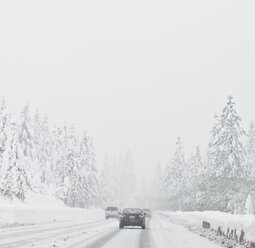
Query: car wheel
pixel 121 226
pixel 143 226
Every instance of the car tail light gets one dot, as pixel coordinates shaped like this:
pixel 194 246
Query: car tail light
pixel 123 216
pixel 141 216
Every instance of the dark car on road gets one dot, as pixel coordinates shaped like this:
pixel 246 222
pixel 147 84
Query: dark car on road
pixel 132 217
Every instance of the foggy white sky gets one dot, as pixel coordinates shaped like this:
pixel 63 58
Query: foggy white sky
pixel 136 74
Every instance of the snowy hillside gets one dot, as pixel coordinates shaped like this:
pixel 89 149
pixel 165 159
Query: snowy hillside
pixel 38 209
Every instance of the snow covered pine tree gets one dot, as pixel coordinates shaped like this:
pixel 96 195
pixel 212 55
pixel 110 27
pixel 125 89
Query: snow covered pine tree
pixel 226 179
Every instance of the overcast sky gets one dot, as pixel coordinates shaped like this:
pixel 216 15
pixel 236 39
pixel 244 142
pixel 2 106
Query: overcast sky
pixel 135 74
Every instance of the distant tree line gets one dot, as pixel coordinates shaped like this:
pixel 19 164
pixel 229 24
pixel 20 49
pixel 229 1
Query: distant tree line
pixel 46 160
pixel 118 181
pixel 223 179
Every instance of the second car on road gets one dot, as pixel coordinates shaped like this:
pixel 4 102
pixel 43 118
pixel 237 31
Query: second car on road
pixel 111 212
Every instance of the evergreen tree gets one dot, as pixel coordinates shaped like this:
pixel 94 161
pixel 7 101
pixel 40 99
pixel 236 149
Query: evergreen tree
pixel 46 140
pixel 4 126
pixel 108 183
pixel 43 150
pixel 14 181
pixel 175 180
pixel 250 153
pixel 226 147
pixel 195 178
pixel 58 153
pixel 68 168
pixel 226 160
pixel 91 186
pixel 75 192
pixel 157 188
pixel 26 137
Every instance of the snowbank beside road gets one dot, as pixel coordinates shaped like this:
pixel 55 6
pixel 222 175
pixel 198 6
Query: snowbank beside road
pixel 31 215
pixel 41 209
pixel 216 219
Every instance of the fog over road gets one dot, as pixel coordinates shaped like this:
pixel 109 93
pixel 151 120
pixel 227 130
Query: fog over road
pixel 103 234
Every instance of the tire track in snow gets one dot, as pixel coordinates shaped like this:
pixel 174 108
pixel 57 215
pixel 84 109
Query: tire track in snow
pixel 42 229
pixel 145 240
pixel 39 236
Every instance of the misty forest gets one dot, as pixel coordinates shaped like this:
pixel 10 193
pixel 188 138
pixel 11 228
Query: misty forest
pixel 57 162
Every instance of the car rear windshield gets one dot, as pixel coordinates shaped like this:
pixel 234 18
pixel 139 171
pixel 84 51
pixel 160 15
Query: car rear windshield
pixel 132 211
pixel 112 209
pixel 146 209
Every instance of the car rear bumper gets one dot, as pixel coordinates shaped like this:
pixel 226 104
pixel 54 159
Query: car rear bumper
pixel 132 223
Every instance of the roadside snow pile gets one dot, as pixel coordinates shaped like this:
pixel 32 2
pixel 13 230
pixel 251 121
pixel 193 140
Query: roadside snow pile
pixel 42 209
pixel 217 219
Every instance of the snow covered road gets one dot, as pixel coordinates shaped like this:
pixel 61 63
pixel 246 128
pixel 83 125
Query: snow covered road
pixel 160 233
pixel 103 234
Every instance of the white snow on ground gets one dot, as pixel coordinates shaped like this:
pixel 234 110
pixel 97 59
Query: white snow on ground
pixel 160 233
pixel 216 219
pixel 53 235
pixel 54 224
pixel 166 234
pixel 42 209
pixel 43 221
